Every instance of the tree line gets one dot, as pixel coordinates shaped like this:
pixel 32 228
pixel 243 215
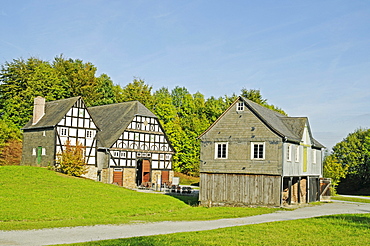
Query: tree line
pixel 183 115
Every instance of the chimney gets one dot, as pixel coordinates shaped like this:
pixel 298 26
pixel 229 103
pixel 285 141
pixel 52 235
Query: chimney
pixel 38 109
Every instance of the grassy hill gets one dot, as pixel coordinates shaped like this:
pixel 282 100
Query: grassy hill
pixel 33 198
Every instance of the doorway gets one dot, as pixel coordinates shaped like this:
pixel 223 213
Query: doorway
pixel 143 173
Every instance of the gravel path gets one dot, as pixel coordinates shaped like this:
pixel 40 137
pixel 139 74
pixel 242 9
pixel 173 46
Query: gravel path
pixel 101 232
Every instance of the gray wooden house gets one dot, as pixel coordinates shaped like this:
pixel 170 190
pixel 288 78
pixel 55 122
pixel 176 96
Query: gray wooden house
pixel 252 155
pixel 124 142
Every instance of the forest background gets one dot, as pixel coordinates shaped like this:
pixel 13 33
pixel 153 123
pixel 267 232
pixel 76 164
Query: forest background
pixel 183 115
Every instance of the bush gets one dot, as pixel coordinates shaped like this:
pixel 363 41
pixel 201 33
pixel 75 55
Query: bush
pixel 72 161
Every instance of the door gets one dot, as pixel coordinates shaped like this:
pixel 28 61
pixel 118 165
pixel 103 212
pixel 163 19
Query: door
pixel 118 176
pixel 39 154
pixel 143 173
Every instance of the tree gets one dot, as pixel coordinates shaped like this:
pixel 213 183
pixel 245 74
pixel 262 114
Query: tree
pixel 72 161
pixel 353 153
pixel 136 91
pixel 256 96
pixel 335 170
pixel 20 82
pixel 10 144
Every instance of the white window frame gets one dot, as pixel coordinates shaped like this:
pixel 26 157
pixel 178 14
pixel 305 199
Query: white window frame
pixel 115 154
pixel 253 144
pixel 89 134
pixel 289 153
pixel 297 156
pixel 240 106
pixel 64 131
pixel 43 151
pixel 34 151
pixel 123 154
pixel 314 156
pixel 224 152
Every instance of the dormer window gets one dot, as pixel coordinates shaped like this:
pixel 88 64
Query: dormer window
pixel 240 106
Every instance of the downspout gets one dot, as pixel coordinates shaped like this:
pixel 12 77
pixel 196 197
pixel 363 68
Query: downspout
pixel 282 173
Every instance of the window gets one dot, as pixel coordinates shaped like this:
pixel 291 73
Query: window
pixel 123 154
pixel 297 154
pixel 240 106
pixel 33 151
pixel 289 153
pixel 116 154
pixel 221 151
pixel 63 132
pixel 43 151
pixel 313 156
pixel 89 134
pixel 258 151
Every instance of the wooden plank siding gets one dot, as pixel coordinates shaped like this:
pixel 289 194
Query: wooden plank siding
pixel 239 189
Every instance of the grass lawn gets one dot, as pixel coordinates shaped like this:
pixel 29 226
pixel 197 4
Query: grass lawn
pixel 34 198
pixel 351 199
pixel 329 230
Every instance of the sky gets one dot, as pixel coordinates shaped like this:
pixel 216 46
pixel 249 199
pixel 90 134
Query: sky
pixel 310 58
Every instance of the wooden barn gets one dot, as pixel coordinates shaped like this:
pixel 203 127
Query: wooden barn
pixel 124 143
pixel 252 155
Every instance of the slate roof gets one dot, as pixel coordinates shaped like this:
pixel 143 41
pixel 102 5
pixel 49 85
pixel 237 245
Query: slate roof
pixel 113 119
pixel 54 112
pixel 289 128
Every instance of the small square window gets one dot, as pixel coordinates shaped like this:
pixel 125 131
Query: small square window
pixel 258 151
pixel 116 154
pixel 89 134
pixel 64 132
pixel 221 150
pixel 240 106
pixel 123 154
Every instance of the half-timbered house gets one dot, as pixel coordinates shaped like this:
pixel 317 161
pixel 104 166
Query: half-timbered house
pixel 133 147
pixel 252 155
pixel 124 143
pixel 52 124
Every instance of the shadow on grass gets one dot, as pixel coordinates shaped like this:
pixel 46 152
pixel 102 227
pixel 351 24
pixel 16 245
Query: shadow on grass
pixel 191 200
pixel 352 220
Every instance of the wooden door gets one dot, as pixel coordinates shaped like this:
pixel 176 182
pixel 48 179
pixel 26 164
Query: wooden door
pixel 166 177
pixel 39 153
pixel 146 171
pixel 118 176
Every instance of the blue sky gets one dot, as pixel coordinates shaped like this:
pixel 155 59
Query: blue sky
pixel 310 58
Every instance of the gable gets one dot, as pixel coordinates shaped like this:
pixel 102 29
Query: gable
pixel 54 112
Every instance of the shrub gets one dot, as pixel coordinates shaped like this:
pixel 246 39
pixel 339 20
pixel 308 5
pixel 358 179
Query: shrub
pixel 72 161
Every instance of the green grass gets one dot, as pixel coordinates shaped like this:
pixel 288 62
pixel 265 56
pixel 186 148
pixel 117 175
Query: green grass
pixel 34 198
pixel 329 230
pixel 351 199
pixel 187 180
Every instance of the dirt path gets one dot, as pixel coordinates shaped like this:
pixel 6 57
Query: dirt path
pixel 101 232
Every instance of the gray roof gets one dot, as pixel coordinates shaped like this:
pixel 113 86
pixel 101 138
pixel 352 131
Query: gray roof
pixel 113 119
pixel 289 128
pixel 54 113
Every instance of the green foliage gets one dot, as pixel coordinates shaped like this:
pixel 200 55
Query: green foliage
pixel 334 170
pixel 183 115
pixel 136 91
pixel 353 153
pixel 256 96
pixel 51 199
pixel 72 161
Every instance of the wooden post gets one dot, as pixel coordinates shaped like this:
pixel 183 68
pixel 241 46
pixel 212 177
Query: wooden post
pixel 290 191
pixel 299 189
